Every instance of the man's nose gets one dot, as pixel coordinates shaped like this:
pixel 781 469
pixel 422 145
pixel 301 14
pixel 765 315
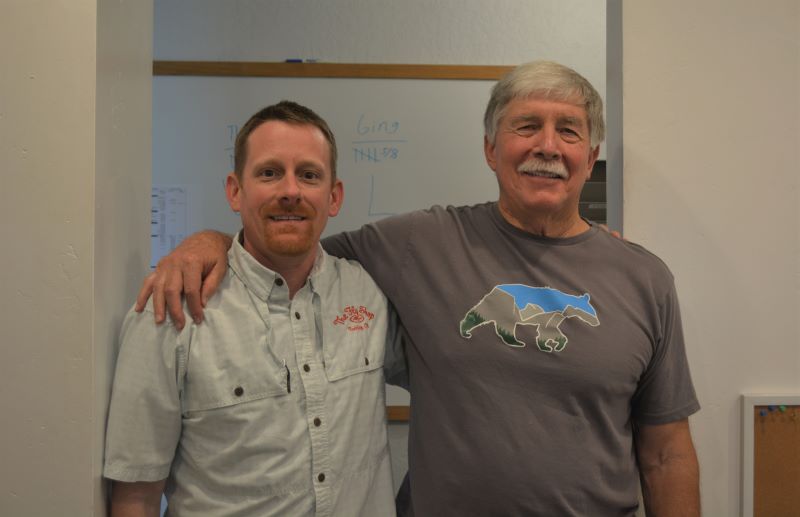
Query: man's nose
pixel 545 145
pixel 289 189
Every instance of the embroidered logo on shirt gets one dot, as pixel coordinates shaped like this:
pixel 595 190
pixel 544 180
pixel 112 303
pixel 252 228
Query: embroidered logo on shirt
pixel 354 318
pixel 509 305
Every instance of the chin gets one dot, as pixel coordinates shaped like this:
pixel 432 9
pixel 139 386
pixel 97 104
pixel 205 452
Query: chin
pixel 289 245
pixel 290 249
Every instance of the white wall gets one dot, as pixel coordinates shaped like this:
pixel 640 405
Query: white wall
pixel 75 155
pixel 712 132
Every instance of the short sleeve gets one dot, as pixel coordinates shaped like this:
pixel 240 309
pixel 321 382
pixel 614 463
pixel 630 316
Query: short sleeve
pixel 381 247
pixel 144 421
pixel 665 392
pixel 395 366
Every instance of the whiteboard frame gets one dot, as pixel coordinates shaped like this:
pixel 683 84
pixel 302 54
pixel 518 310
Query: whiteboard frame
pixel 749 402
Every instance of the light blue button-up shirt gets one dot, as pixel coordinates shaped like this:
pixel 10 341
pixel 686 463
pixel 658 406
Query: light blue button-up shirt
pixel 271 406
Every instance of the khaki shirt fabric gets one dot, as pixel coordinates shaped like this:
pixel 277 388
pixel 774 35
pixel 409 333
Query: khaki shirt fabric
pixel 271 406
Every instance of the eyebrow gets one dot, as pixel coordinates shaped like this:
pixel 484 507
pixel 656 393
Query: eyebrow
pixel 570 121
pixel 269 162
pixel 562 120
pixel 524 118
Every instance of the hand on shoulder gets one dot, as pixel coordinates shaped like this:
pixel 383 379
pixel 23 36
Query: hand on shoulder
pixel 193 269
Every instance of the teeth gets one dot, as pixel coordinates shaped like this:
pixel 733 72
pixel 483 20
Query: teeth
pixel 543 174
pixel 286 218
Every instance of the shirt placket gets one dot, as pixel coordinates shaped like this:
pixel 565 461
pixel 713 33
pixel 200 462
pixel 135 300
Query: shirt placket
pixel 312 375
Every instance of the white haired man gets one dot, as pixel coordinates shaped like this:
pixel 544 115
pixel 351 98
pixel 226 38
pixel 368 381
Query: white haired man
pixel 547 365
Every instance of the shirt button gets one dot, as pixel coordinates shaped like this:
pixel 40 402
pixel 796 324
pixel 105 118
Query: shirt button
pixel 297 315
pixel 239 391
pixel 321 478
pixel 317 422
pixel 306 368
pixel 279 282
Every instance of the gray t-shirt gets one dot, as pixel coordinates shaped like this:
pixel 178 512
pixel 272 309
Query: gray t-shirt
pixel 531 360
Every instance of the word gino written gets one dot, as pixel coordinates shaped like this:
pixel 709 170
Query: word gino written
pixel 378 140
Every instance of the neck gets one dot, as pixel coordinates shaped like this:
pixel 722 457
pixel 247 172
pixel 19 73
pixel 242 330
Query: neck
pixel 295 277
pixel 294 269
pixel 546 224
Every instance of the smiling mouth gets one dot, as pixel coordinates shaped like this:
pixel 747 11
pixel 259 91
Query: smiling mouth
pixel 544 174
pixel 280 218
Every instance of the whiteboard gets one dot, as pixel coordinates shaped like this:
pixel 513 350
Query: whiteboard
pixel 403 144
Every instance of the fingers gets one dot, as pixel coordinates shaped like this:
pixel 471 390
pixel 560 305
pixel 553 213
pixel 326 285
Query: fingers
pixel 213 280
pixel 180 273
pixel 172 288
pixel 614 233
pixel 158 296
pixel 153 285
pixel 192 277
pixel 144 292
pixel 166 291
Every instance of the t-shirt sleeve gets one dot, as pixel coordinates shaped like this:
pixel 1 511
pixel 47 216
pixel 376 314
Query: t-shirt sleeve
pixel 666 393
pixel 144 421
pixel 395 366
pixel 381 248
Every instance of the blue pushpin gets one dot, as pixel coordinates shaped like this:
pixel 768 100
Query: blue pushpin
pixel 763 412
pixel 772 408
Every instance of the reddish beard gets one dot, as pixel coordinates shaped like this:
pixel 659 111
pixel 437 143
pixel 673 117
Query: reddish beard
pixel 287 238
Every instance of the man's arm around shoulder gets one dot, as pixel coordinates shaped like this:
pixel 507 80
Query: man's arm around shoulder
pixel 194 269
pixel 138 499
pixel 669 470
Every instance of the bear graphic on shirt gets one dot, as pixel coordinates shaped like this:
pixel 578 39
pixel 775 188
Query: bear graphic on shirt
pixel 509 305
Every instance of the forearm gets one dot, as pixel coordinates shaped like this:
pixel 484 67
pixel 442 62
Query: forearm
pixel 339 245
pixel 671 486
pixel 225 240
pixel 139 499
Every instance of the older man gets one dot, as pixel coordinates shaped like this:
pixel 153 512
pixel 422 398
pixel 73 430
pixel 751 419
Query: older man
pixel 275 405
pixel 547 363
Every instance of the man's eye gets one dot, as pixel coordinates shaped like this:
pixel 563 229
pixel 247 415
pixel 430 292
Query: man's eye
pixel 267 173
pixel 569 134
pixel 525 129
pixel 309 175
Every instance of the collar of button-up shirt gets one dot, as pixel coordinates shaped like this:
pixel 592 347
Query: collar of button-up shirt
pixel 260 279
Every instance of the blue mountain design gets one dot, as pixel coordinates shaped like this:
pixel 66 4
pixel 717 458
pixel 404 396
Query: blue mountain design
pixel 549 299
pixel 509 305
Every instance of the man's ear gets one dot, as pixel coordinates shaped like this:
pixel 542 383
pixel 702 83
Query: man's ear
pixel 337 198
pixel 488 152
pixel 593 154
pixel 233 189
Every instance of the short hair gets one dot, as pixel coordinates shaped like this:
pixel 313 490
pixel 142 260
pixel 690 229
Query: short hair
pixel 548 80
pixel 284 111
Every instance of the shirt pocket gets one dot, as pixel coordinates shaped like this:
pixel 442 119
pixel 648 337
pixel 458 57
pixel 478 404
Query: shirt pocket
pixel 226 372
pixel 241 432
pixel 355 345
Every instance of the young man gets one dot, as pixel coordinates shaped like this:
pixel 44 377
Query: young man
pixel 275 404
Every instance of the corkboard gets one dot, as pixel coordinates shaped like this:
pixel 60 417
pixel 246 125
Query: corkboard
pixel 772 456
